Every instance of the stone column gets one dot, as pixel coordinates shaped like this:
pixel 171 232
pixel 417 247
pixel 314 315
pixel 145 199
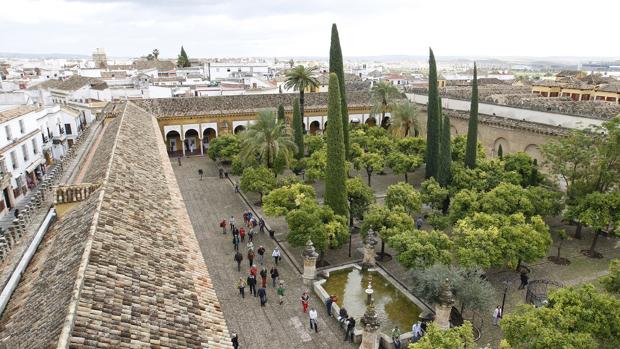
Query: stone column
pixel 370 333
pixel 310 256
pixel 444 306
pixel 369 250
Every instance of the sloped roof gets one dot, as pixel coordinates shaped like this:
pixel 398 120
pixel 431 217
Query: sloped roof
pixel 128 254
pixel 18 111
pixel 217 105
pixel 76 82
pixel 156 64
pixel 52 83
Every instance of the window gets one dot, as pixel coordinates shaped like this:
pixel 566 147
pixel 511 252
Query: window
pixel 25 152
pixel 34 146
pixel 68 128
pixel 7 130
pixel 228 70
pixel 14 160
pixel 22 126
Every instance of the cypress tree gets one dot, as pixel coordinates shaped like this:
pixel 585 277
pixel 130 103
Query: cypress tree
pixel 335 187
pixel 183 60
pixel 298 130
pixel 433 122
pixel 472 128
pixel 281 114
pixel 500 152
pixel 445 154
pixel 336 66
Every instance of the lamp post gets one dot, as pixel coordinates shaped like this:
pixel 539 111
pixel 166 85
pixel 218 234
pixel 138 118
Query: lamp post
pixel 506 285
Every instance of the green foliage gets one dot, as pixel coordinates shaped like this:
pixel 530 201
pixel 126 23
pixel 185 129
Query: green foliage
pixel 494 240
pixel 360 197
pixel 403 119
pixel 472 128
pixel 281 114
pixel 313 143
pixel 288 180
pixel 445 154
pixel 464 203
pixel 611 281
pixel 386 222
pixel 381 145
pixel 182 60
pixel 298 130
pixel 500 152
pixel 224 148
pixel 433 194
pixel 433 121
pixel 453 338
pixel 507 199
pixel 383 96
pixel 298 165
pixel 317 223
pixel 316 165
pixel 268 141
pixel 239 165
pixel 336 66
pixel 299 79
pixel 258 180
pixel 282 200
pixel 438 221
pixel 471 291
pixel 487 175
pixel 598 211
pixel 401 163
pixel 370 162
pixel 459 143
pixel 411 146
pixel 522 164
pixel 335 188
pixel 420 248
pixel 403 195
pixel 575 318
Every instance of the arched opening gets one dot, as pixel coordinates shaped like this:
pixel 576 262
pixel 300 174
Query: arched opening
pixel 192 142
pixel 239 128
pixel 385 123
pixel 500 142
pixel 208 135
pixel 371 121
pixel 533 151
pixel 453 131
pixel 315 126
pixel 173 143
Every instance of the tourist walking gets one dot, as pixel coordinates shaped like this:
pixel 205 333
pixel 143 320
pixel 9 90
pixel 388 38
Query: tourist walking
pixel 253 270
pixel 252 284
pixel 251 257
pixel 314 316
pixel 263 277
pixel 235 241
pixel 305 300
pixel 276 255
pixel 231 222
pixel 497 314
pixel 261 254
pixel 262 295
pixel 251 235
pixel 238 259
pixel 396 337
pixel 200 173
pixel 235 340
pixel 221 171
pixel 524 279
pixel 245 217
pixel 274 275
pixel 328 304
pixel 236 187
pixel 350 329
pixel 223 226
pixel 280 292
pixel 250 246
pixel 241 286
pixel 261 225
pixel 179 158
pixel 242 234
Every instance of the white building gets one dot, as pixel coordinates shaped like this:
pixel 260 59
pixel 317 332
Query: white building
pixel 223 71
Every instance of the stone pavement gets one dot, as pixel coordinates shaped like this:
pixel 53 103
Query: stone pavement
pixel 274 326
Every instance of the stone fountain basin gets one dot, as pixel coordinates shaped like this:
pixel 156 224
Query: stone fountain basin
pixel 394 304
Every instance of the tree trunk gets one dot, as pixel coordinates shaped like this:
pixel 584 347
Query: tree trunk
pixel 382 248
pixel 407 129
pixel 559 247
pixel 260 198
pixel 578 231
pixel 406 177
pixel 596 234
pixel 519 264
pixel 301 103
pixel 369 173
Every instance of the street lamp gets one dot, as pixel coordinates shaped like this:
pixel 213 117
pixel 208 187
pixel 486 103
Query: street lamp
pixel 506 285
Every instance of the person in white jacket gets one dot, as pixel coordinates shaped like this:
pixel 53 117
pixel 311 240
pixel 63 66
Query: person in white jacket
pixel 276 255
pixel 313 318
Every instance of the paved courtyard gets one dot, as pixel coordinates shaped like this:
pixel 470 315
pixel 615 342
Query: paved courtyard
pixel 274 326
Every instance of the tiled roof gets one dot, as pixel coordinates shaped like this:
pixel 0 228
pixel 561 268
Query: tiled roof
pixel 159 65
pixel 16 112
pixel 52 83
pixel 217 105
pixel 610 88
pixel 76 82
pixel 143 282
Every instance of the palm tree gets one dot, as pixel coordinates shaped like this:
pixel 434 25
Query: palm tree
pixel 300 78
pixel 267 140
pixel 382 95
pixel 404 117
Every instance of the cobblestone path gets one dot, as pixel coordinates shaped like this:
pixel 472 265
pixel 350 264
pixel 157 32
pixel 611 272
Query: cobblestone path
pixel 208 201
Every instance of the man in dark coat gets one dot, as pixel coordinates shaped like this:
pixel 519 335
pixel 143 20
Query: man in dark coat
pixel 238 259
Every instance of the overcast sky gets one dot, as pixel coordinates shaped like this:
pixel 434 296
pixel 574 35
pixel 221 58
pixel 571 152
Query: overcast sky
pixel 225 28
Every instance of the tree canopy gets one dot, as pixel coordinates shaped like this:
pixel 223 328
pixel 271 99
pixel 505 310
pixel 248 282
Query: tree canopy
pixel 183 60
pixel 575 318
pixel 224 147
pixel 370 162
pixel 259 180
pixel 317 223
pixel 360 197
pixel 403 195
pixel 282 200
pixel 460 337
pixel 421 248
pixel 335 187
